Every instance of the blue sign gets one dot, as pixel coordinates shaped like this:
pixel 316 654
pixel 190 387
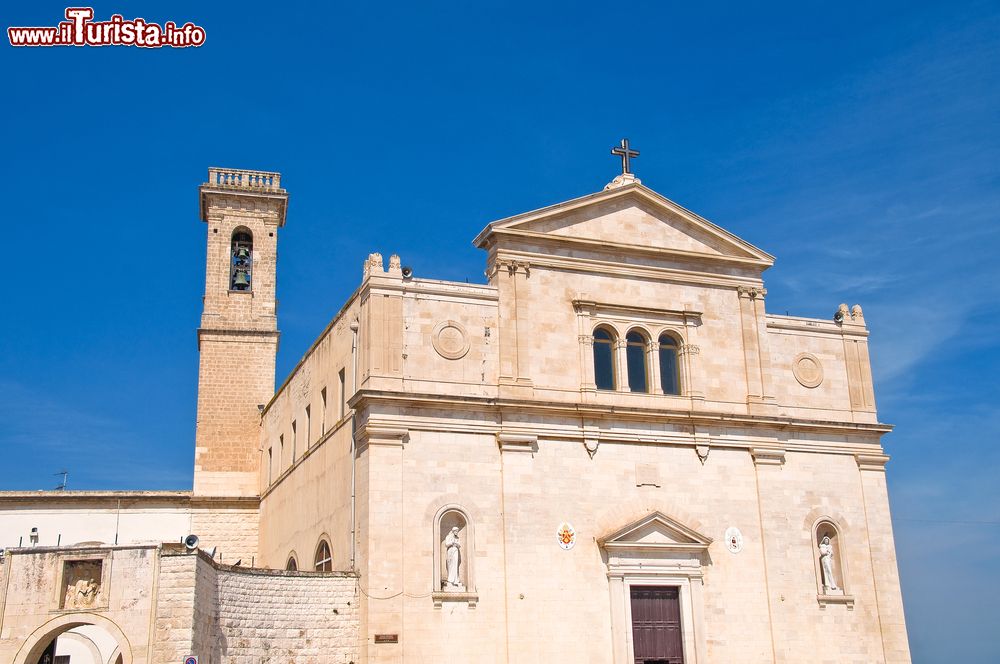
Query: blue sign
pixel 190 659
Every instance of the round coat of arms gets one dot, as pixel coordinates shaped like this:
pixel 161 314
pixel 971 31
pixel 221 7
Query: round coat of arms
pixel 566 535
pixel 734 539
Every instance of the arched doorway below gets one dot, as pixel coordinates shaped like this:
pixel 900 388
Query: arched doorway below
pixel 70 640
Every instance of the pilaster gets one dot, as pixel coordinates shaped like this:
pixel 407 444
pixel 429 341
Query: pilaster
pixel 878 522
pixel 380 514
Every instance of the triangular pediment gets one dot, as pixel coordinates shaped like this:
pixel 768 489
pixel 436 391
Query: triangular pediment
pixel 628 218
pixel 656 531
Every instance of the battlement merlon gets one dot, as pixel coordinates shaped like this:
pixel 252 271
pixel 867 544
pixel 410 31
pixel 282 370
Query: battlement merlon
pixel 244 183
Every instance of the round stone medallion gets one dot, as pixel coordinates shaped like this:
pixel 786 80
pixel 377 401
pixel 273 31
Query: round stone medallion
pixel 450 340
pixel 808 370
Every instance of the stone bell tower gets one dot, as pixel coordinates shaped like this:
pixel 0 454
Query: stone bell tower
pixel 238 337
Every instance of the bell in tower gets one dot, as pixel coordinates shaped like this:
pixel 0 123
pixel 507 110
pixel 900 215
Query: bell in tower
pixel 242 253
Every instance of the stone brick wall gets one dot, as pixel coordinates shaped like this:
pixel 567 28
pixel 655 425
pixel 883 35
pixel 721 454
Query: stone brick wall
pixel 233 615
pixel 274 616
pixel 173 628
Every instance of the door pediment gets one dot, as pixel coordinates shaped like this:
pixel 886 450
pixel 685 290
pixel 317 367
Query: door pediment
pixel 656 532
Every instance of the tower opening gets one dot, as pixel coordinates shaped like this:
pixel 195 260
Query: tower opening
pixel 241 260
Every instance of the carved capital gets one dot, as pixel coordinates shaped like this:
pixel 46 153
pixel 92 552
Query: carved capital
pixel 689 349
pixel 511 266
pixel 586 339
pixel 751 292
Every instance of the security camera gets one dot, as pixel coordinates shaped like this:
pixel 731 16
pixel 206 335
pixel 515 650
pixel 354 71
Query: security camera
pixel 407 272
pixel 838 317
pixel 191 542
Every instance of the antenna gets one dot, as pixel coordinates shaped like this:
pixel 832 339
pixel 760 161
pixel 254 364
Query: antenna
pixel 65 480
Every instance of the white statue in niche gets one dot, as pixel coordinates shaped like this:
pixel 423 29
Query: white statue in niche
pixel 453 559
pixel 826 565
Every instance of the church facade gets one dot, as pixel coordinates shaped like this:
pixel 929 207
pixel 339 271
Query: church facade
pixel 608 452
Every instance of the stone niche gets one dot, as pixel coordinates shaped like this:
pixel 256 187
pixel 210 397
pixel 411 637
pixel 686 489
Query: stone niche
pixel 82 585
pixel 452 524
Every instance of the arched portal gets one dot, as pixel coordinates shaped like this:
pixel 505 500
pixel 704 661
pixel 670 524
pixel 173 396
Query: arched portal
pixel 84 634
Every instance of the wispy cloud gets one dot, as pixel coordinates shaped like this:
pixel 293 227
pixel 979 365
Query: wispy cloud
pixel 41 432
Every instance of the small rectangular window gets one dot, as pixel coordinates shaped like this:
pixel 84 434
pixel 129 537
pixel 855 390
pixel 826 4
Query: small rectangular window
pixel 281 452
pixel 322 412
pixel 270 465
pixel 295 440
pixel 343 397
pixel 308 428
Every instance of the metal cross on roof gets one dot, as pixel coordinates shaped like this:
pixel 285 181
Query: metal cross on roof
pixel 625 153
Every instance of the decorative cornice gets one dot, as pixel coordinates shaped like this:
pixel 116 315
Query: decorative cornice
pixel 598 411
pixel 231 187
pixel 585 305
pixel 577 264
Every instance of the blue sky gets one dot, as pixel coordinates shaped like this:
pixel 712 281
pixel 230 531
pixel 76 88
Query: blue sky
pixel 857 142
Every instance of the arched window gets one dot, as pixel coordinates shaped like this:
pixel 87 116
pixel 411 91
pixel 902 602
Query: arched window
pixel 604 359
pixel 324 559
pixel 635 357
pixel 291 565
pixel 241 260
pixel 670 377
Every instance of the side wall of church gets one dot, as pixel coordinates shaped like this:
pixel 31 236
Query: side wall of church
pixel 305 479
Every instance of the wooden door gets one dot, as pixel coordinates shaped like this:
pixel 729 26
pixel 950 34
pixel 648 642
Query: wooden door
pixel 656 625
